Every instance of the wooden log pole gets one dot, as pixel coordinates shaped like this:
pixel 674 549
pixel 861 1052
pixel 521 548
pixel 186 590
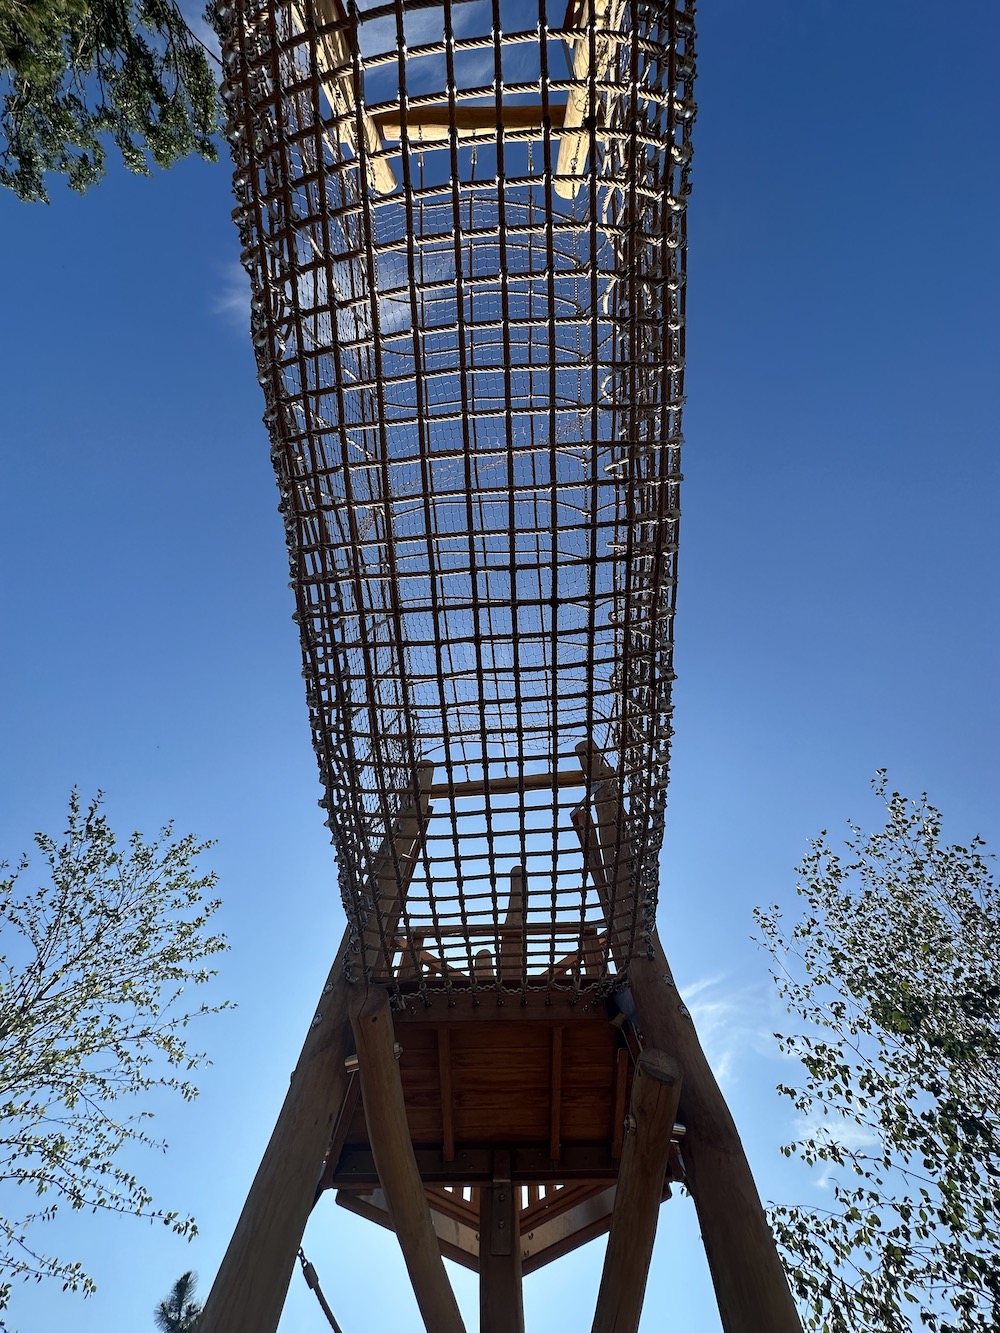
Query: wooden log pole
pixel 392 1149
pixel 249 1290
pixel 512 956
pixel 656 1091
pixel 750 1282
pixel 500 1297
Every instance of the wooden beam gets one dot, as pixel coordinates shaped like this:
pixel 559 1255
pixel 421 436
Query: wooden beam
pixel 750 1282
pixel 473 1166
pixel 500 1298
pixel 447 1094
pixel 555 1097
pixel 505 786
pixel 547 1239
pixel 512 940
pixel 393 871
pixel 385 1112
pixel 434 124
pixel 605 17
pixel 463 1005
pixel 656 1091
pixel 336 64
pixel 249 1290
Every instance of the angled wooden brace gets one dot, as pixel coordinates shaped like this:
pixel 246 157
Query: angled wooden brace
pixel 581 107
pixel 337 71
pixel 608 856
pixel 249 1290
pixel 394 870
pixel 392 1149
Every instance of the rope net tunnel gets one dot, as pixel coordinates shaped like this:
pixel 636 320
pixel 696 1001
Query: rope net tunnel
pixel 464 224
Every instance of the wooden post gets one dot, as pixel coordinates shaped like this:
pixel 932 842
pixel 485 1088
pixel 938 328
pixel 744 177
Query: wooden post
pixel 392 1149
pixel 750 1282
pixel 501 1302
pixel 655 1093
pixel 512 940
pixel 249 1291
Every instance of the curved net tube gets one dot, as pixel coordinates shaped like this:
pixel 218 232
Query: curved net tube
pixel 464 225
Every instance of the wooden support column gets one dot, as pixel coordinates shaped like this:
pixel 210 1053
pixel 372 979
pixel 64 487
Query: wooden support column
pixel 655 1094
pixel 500 1297
pixel 750 1282
pixel 249 1290
pixel 392 1149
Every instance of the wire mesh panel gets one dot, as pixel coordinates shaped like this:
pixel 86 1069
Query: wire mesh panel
pixel 464 224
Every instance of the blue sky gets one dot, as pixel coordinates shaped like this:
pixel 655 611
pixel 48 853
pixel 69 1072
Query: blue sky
pixel 837 607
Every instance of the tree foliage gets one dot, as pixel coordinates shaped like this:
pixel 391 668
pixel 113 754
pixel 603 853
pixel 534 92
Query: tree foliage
pixel 180 1312
pixel 75 73
pixel 895 969
pixel 93 1014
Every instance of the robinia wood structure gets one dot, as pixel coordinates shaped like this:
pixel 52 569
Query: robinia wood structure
pixel 464 224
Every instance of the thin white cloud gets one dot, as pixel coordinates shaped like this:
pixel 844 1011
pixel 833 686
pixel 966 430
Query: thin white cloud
pixel 232 300
pixel 730 1022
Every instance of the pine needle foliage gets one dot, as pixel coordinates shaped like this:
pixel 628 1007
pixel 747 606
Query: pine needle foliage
pixel 894 971
pixel 180 1312
pixel 96 965
pixel 78 75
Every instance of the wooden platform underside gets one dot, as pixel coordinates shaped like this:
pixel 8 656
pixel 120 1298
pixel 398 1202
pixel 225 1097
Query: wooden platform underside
pixel 543 1087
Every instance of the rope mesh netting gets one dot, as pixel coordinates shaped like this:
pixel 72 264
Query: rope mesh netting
pixel 464 226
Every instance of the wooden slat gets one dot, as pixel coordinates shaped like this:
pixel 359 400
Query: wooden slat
pixel 399 1176
pixel 447 1094
pixel 655 1095
pixel 555 1097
